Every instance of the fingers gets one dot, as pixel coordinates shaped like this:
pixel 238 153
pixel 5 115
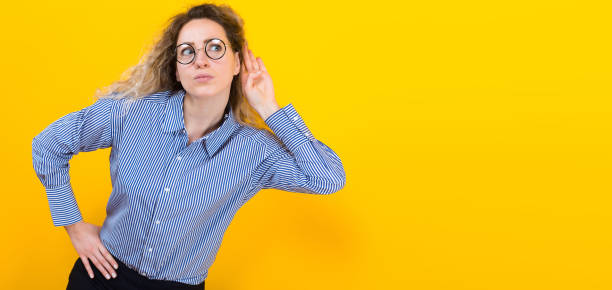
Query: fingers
pixel 102 265
pixel 249 81
pixel 246 58
pixel 252 64
pixel 261 64
pixel 97 262
pixel 108 256
pixel 86 241
pixel 103 259
pixel 243 68
pixel 87 266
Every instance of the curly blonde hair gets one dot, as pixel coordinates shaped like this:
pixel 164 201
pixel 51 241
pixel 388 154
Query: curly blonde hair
pixel 156 70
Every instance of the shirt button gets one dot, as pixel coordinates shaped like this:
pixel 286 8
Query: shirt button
pixel 306 134
pixel 150 249
pixel 167 189
pixel 295 118
pixel 143 273
pixel 157 221
pixel 178 157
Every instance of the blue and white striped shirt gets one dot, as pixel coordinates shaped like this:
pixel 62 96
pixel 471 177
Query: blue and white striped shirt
pixel 171 203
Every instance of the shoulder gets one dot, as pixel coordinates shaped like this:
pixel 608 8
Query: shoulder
pixel 158 98
pixel 127 104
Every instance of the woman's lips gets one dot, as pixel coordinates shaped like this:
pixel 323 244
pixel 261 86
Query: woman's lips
pixel 203 78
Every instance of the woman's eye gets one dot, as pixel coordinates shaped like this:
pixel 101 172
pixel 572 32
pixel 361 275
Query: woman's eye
pixel 187 51
pixel 215 47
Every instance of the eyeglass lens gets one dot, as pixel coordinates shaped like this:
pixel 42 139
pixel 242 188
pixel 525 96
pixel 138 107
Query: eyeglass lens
pixel 215 49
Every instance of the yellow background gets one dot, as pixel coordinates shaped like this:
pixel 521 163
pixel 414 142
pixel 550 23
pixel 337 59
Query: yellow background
pixel 475 136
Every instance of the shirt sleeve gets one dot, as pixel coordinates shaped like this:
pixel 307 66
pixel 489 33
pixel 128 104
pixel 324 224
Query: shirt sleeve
pixel 85 130
pixel 296 161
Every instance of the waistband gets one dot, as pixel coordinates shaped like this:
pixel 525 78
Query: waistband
pixel 148 283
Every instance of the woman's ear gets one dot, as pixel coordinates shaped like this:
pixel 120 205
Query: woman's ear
pixel 236 63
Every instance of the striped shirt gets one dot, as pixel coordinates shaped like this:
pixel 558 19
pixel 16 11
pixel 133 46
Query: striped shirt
pixel 171 200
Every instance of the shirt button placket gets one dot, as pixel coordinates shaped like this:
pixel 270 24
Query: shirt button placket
pixel 150 249
pixel 147 252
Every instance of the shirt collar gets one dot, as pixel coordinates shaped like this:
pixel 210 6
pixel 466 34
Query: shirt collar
pixel 173 121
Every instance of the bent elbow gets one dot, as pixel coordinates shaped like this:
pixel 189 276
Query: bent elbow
pixel 332 185
pixel 339 185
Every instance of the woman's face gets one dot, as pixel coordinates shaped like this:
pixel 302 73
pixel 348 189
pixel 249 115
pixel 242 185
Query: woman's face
pixel 197 32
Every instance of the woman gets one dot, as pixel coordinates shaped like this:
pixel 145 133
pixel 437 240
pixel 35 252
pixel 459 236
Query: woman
pixel 195 132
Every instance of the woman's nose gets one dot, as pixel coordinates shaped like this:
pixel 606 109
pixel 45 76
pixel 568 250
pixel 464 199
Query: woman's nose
pixel 201 57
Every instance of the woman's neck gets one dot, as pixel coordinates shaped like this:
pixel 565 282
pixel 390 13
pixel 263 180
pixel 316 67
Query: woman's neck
pixel 202 115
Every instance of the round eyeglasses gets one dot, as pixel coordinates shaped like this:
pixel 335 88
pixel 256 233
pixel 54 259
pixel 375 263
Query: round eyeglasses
pixel 214 48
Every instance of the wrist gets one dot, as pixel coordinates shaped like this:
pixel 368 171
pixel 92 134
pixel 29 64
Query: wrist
pixel 71 227
pixel 267 111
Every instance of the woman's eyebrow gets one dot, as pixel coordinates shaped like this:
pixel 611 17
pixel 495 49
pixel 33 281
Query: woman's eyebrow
pixel 189 42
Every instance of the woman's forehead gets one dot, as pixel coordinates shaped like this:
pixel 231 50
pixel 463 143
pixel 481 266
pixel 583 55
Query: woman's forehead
pixel 200 30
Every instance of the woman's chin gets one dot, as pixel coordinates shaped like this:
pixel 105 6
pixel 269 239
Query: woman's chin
pixel 202 90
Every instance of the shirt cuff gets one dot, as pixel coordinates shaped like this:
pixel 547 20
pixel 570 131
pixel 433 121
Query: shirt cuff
pixel 63 205
pixel 289 126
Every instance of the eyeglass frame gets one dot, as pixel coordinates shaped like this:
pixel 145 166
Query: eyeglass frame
pixel 195 54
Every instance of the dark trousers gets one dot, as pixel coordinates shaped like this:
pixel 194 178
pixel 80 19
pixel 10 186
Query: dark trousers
pixel 126 279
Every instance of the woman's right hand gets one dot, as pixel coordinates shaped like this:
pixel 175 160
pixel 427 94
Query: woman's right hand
pixel 85 238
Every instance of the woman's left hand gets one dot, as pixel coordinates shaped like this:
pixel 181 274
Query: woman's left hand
pixel 257 84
